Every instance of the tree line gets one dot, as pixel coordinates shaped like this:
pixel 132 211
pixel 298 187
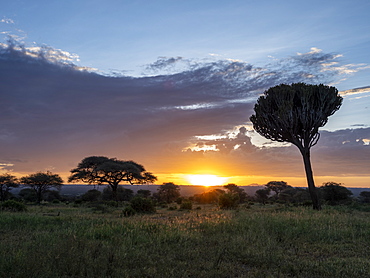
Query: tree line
pixel 284 113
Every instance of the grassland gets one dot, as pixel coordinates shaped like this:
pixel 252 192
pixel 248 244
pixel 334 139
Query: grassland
pixel 261 241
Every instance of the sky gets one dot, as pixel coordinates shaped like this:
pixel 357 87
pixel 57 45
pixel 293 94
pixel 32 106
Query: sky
pixel 172 84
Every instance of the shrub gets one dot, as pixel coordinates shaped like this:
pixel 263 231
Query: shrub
pixel 179 200
pixel 111 204
pixel 97 207
pixel 51 195
pixel 228 201
pixel 28 195
pixel 142 205
pixel 123 194
pixel 78 202
pixel 92 195
pixel 128 211
pixel 11 205
pixel 186 204
pixel 334 194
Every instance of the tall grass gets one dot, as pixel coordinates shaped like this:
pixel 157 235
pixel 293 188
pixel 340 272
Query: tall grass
pixel 256 242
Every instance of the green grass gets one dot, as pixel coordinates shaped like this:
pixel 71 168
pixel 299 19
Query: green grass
pixel 256 242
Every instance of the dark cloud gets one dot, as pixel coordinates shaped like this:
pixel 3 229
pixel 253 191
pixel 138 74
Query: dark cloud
pixel 54 114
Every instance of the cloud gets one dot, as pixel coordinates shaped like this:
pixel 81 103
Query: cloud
pixel 7 20
pixel 53 115
pixel 163 63
pixel 356 91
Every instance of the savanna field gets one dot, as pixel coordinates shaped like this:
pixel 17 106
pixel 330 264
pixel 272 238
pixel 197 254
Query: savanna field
pixel 254 240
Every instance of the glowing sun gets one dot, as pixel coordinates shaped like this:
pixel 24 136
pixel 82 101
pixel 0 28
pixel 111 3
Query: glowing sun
pixel 206 180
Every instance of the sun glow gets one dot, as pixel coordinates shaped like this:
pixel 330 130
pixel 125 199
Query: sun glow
pixel 206 180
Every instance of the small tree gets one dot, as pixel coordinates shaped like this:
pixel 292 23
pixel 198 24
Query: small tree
pixel 168 192
pixel 41 182
pixel 28 194
pixel 234 189
pixel 365 197
pixel 92 195
pixel 7 182
pixel 111 171
pixel 228 200
pixel 294 113
pixel 277 186
pixel 142 205
pixel 262 195
pixel 334 193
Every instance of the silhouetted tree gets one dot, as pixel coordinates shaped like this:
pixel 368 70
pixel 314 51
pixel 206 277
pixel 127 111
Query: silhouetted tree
pixel 262 195
pixel 234 189
pixel 28 195
pixel 294 113
pixel 41 182
pixel 168 192
pixel 294 195
pixel 228 200
pixel 111 171
pixel 365 196
pixel 142 205
pixel 277 186
pixel 7 182
pixel 210 197
pixel 148 177
pixel 334 193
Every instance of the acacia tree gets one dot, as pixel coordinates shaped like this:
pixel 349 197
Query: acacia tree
pixel 7 182
pixel 277 186
pixel 294 113
pixel 111 171
pixel 334 193
pixel 168 192
pixel 41 182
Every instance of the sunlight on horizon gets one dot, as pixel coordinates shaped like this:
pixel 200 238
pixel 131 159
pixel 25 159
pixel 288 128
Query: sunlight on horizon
pixel 207 180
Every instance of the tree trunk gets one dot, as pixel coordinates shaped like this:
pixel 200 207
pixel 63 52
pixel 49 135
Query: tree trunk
pixel 39 195
pixel 310 181
pixel 114 192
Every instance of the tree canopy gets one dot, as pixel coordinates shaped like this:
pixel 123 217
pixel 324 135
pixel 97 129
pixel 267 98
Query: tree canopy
pixel 168 192
pixel 334 193
pixel 277 186
pixel 294 113
pixel 111 171
pixel 7 182
pixel 41 182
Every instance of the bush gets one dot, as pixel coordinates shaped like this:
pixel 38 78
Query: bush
pixel 92 195
pixel 28 195
pixel 51 195
pixel 179 200
pixel 97 207
pixel 128 211
pixel 334 194
pixel 142 205
pixel 14 206
pixel 186 204
pixel 123 194
pixel 228 201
